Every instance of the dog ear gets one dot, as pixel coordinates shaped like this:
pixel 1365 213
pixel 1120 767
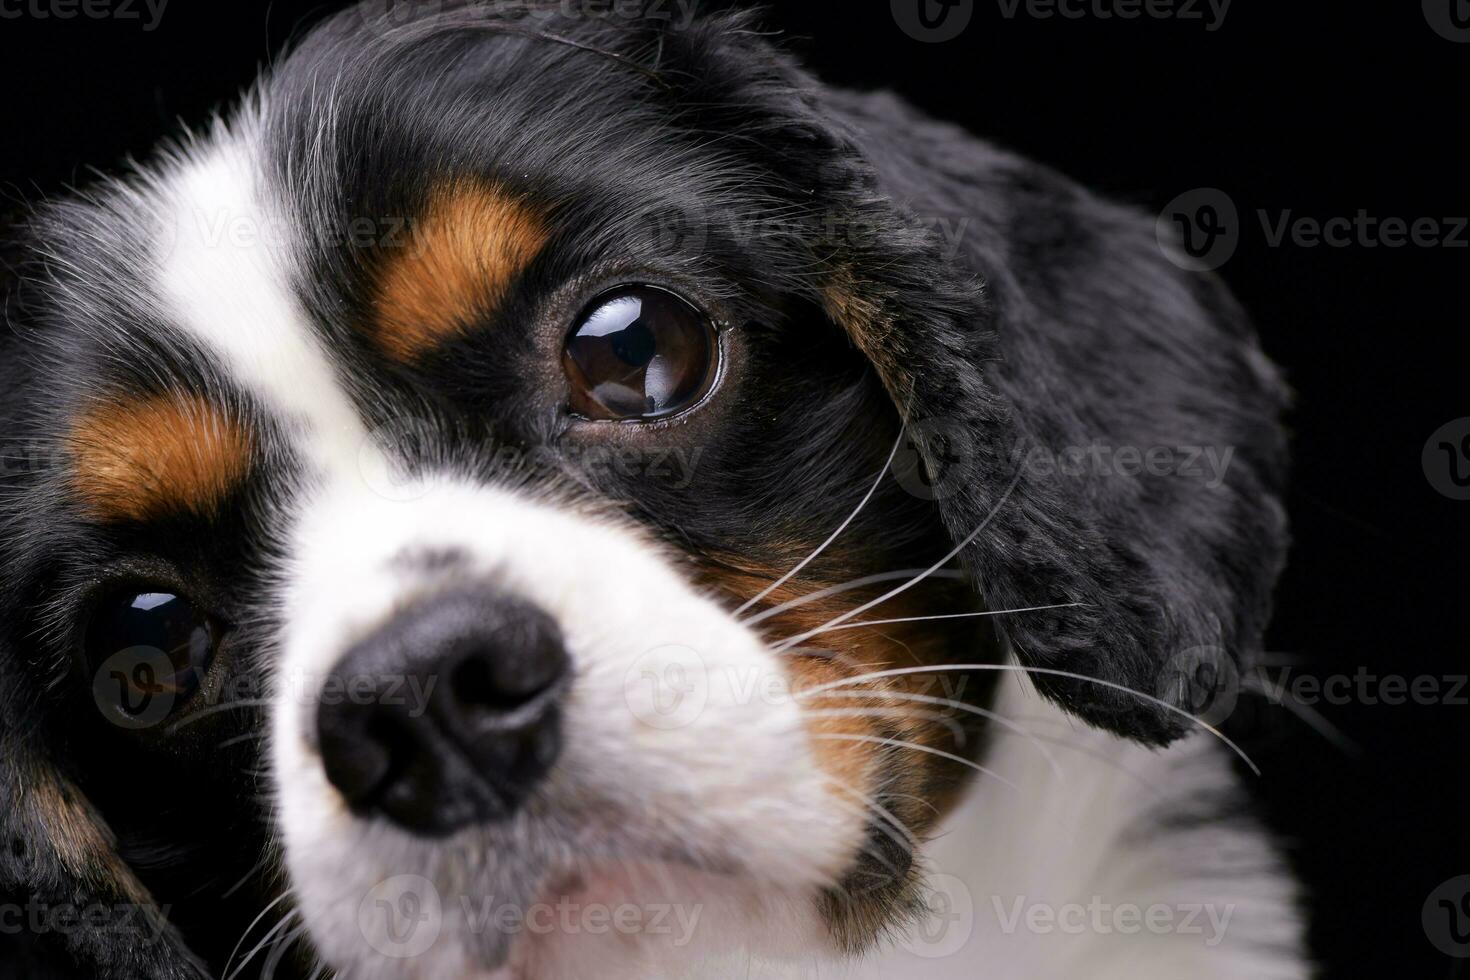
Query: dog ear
pixel 1097 427
pixel 57 857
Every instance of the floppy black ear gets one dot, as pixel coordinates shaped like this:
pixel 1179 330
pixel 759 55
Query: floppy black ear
pixel 1098 426
pixel 57 856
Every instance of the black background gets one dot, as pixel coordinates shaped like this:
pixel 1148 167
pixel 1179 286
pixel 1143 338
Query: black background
pixel 1316 109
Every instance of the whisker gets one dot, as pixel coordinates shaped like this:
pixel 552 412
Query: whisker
pixel 832 590
pixel 905 837
pixel 218 709
pixel 897 743
pixel 902 431
pixel 285 921
pixel 247 737
pixel 260 866
pixel 802 637
pixel 256 921
pixel 999 719
pixel 955 730
pixel 279 949
pixel 1105 759
pixel 925 619
pixel 1045 671
pixel 867 849
pixel 1309 716
pixel 910 837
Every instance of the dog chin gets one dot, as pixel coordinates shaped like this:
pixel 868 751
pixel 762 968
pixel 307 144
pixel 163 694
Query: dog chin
pixel 630 918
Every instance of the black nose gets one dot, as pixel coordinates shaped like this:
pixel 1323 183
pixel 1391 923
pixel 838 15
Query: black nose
pixel 448 716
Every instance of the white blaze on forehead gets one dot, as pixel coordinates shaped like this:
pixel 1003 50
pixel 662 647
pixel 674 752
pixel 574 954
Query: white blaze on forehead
pixel 226 277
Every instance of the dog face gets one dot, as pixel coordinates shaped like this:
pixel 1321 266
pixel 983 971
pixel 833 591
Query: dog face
pixel 437 478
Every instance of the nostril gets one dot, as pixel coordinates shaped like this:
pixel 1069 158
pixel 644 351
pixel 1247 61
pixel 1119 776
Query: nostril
pixel 358 757
pixel 474 686
pixel 476 743
pixel 509 668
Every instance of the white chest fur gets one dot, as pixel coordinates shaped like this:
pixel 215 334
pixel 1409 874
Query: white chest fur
pixel 1108 861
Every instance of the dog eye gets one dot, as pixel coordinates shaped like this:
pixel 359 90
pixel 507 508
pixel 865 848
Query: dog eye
pixel 638 354
pixel 148 652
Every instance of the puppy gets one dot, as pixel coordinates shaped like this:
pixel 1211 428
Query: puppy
pixel 536 496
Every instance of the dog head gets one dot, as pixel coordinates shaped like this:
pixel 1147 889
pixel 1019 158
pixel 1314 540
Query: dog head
pixel 516 456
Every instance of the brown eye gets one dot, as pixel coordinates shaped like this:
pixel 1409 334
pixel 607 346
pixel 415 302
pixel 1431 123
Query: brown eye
pixel 638 354
pixel 148 652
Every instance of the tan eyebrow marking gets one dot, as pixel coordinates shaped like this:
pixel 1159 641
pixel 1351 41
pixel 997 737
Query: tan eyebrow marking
pixel 472 242
pixel 140 459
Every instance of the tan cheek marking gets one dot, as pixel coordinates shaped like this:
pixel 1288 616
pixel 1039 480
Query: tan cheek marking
pixel 858 763
pixel 466 250
pixel 138 460
pixel 73 831
pixel 870 328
